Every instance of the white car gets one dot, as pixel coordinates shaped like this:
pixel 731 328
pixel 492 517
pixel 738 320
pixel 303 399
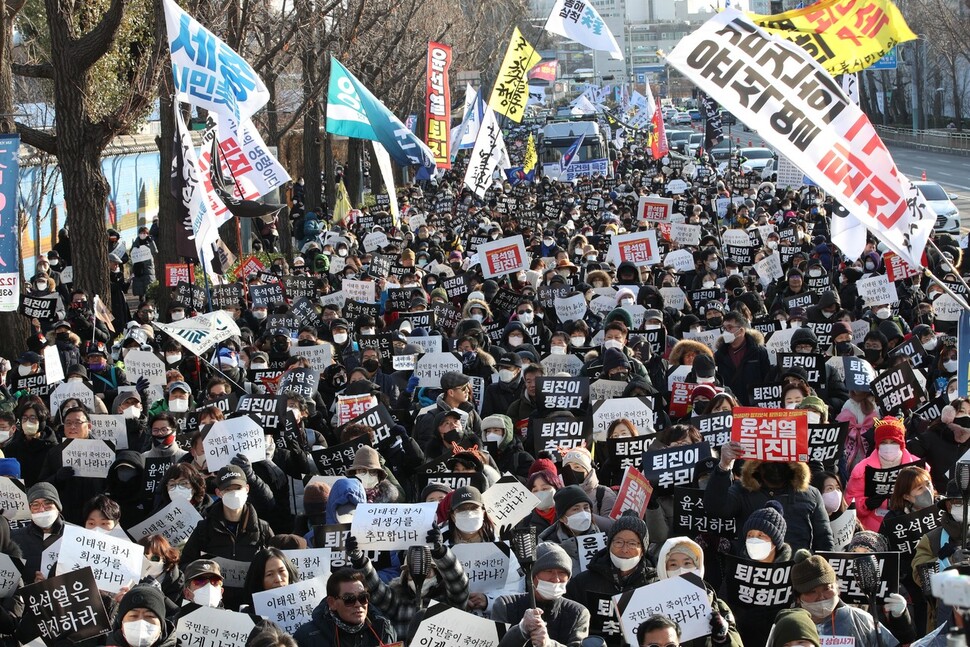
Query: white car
pixel 755 159
pixel 947 214
pixel 682 118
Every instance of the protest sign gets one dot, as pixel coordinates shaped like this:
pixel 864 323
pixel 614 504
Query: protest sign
pixel 680 396
pixel 665 468
pixel 639 248
pixel 431 366
pixel 67 607
pixel 303 381
pixel 141 363
pixel 13 499
pixel 233 570
pixel 639 411
pixel 691 518
pixel 53 369
pixel 561 393
pixel 587 546
pixel 898 390
pixel 571 308
pixel 507 502
pixel 623 453
pixel 392 526
pixel 897 269
pixel 814 365
pixel 310 563
pixel 715 428
pixel 115 563
pixel 351 406
pixel 213 627
pixel 826 442
pixel 682 261
pixel 682 599
pixel 565 363
pixel 905 531
pixel 175 522
pixel 10 575
pixel 912 350
pixel 336 459
pixel 110 427
pixel 42 308
pixel 653 208
pixel 503 256
pixel 487 564
pixel 446 625
pixel 89 458
pixel 227 438
pixel 71 391
pixel 685 234
pixel 859 374
pixel 227 296
pixel 877 290
pixel 320 356
pixel 155 469
pixel 887 569
pixel 291 606
pixel 634 494
pixel 779 435
pixel 843 528
pixel 757 584
pixel 266 409
pixel 879 482
pixel 557 434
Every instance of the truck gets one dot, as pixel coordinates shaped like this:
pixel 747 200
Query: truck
pixel 593 155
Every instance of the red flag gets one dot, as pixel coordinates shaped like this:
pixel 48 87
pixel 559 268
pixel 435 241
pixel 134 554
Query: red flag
pixel 658 139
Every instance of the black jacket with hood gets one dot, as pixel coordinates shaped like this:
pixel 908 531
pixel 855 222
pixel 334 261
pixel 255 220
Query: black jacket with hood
pixel 754 368
pixel 510 456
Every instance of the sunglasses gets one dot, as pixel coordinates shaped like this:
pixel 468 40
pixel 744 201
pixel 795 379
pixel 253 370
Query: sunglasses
pixel 202 581
pixel 349 599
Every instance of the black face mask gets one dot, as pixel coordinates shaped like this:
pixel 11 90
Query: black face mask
pixel 701 406
pixel 843 347
pixel 619 377
pixel 306 342
pixel 63 336
pixel 126 474
pixel 280 346
pixel 873 355
pixel 371 365
pixel 775 474
pixel 714 322
pixel 572 477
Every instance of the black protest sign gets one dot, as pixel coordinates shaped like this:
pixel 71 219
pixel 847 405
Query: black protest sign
pixel 603 618
pixel 880 482
pixel 336 459
pixel 905 532
pixel 381 265
pixel 897 390
pixel 38 307
pixel 447 315
pixel 787 252
pixel 674 466
pixel 155 469
pixel 755 584
pixel 32 384
pixel 823 332
pixel 282 321
pixel 766 396
pixel 887 568
pixel 266 295
pixel 267 409
pixel 912 350
pixel 817 283
pixel 474 241
pixel 743 256
pixel 495 331
pixel 300 380
pixel 690 518
pixel 383 343
pixel 190 294
pixel 826 443
pixel 66 607
pixel 228 296
pixel 624 453
pixel 858 373
pixel 423 319
pixel 551 434
pixel 398 300
pixel 715 428
pixel 766 327
pixel 305 313
pixel 929 411
pixel 505 301
pixel 457 286
pixel 444 204
pixel 700 298
pixel 788 234
pixel 454 480
pixel 813 364
pixel 381 421
pixel 562 393
pixel 299 286
pixel 353 309
pixel 657 338
pixel 800 300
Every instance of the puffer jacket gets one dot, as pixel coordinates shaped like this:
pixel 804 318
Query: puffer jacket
pixel 557 534
pixel 855 490
pixel 511 456
pixel 804 511
pixel 754 369
pixel 322 631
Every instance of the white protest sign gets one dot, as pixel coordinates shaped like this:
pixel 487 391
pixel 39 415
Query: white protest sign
pixel 843 528
pixel 213 627
pixel 140 254
pixel 175 522
pixel 404 362
pixel 392 526
pixel 53 370
pixel 310 562
pixel 565 363
pixel 116 563
pixel 508 502
pixel 110 427
pixel 674 297
pixel 67 275
pixel 683 598
pixel 486 564
pixel 681 260
pixel 90 458
pixel 429 344
pixel 604 389
pixel 337 298
pixel 769 267
pixel 676 187
pixel 10 578
pixel 72 391
pixel 653 208
pixel 141 363
pixel 877 290
pixel 374 241
pixel 320 356
pixel 226 438
pixel 233 570
pixel 503 256
pixel 637 312
pixel 589 545
pixel 48 558
pixel 706 337
pixel 13 499
pixel 431 366
pixel 736 238
pixel 602 305
pixel 291 606
pixel 685 234
pixel 363 291
pixel 460 627
pixel 639 248
pixel 779 342
pixel 637 410
pixel 860 327
pixel 570 308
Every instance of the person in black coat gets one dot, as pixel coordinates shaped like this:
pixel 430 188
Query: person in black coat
pixel 741 357
pixel 126 485
pixel 140 621
pixel 346 616
pixel 46 525
pixel 74 491
pixel 505 447
pixel 500 395
pixel 33 439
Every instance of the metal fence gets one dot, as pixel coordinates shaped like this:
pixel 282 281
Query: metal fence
pixel 934 140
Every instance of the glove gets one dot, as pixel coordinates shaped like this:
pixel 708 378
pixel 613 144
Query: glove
pixel 142 385
pixel 353 552
pixel 895 605
pixel 64 473
pixel 873 502
pixel 719 627
pixel 242 462
pixel 412 384
pixel 434 538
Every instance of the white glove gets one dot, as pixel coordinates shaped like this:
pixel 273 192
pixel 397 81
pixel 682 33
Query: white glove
pixel 895 605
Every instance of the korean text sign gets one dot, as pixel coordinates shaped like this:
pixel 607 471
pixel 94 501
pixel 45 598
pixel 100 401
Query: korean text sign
pixel 773 435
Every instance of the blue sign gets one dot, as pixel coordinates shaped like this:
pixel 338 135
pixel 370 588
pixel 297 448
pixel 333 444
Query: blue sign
pixel 641 78
pixel 412 123
pixel 9 240
pixel 887 62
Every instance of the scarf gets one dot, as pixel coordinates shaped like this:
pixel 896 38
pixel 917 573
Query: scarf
pixel 341 625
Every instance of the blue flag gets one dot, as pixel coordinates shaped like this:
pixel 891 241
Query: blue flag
pixel 517 174
pixel 571 152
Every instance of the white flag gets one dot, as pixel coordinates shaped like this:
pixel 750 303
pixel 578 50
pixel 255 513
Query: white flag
pixel 486 156
pixel 577 20
pixel 537 95
pixel 387 172
pixel 254 168
pixel 582 106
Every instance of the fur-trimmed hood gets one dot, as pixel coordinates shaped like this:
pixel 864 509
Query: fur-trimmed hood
pixel 801 476
pixel 685 346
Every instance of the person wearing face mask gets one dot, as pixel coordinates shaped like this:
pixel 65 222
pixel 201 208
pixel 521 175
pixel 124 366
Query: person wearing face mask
pixel 204 585
pixel 184 482
pixel 445 581
pixel 615 337
pixel 477 310
pixel 842 345
pixel 543 482
pixel 816 590
pixel 890 452
pixel 231 529
pixel 623 565
pixel 161 568
pixel 46 523
pixel 577 469
pixel 105 377
pixel 741 357
pixel 468 524
pixel 944 368
pixel 556 621
pixel 129 405
pixel 794 628
pixel 68 344
pixel 828 308
pixel 574 518
pixel 143 271
pixel 126 485
pixel 455 394
pixel 505 447
pixel 32 438
pixel 140 620
pixel 500 395
pixel 944 442
pixel 367 469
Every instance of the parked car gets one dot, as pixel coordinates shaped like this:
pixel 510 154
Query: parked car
pixel 695 141
pixel 682 118
pixel 677 139
pixel 755 159
pixel 727 119
pixel 695 115
pixel 947 214
pixel 723 150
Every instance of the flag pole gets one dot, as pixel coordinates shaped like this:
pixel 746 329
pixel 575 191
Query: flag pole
pixel 956 271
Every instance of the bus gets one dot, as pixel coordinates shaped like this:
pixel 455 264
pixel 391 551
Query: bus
pixel 593 155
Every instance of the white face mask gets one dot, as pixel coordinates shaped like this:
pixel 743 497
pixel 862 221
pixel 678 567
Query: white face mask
pixel 44 519
pixel 545 499
pixel 956 511
pixel 368 331
pixel 613 343
pixel 178 406
pixel 30 428
pixel 883 313
pixel 890 452
pixel 728 337
pixel 4 435
pixel 209 595
pixel 477 317
pixel 140 633
pixel 822 608
pixel 506 375
pixel 832 500
pixel 24 369
pixel 577 342
pixel 677 572
pixel 368 480
pixel 178 315
pixel 626 301
pixel 75 380
pixel 469 521
pixel 707 285
pixel 259 314
pixel 706 380
pixel 712 265
pixel 494 438
pixel 259 366
pixel 515 341
pixel 174 358
pixel 930 345
pixel 579 521
pixel 550 590
pixel 814 417
pixel 951 365
pixel 339 337
pixel 154 569
pixel 624 564
pixel 757 549
pixel 557 350
pixel 132 412
pixel 772 244
pixel 180 493
pixel 527 318
pixel 235 499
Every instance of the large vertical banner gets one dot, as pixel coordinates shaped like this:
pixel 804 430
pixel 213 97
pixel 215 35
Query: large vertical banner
pixel 511 91
pixel 9 234
pixel 963 354
pixel 437 110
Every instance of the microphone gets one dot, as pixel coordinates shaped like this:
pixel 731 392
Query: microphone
pixel 866 573
pixel 523 542
pixel 419 562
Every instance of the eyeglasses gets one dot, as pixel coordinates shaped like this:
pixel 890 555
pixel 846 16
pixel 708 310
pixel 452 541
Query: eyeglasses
pixel 659 645
pixel 161 430
pixel 30 419
pixel 40 505
pixel 619 543
pixel 349 598
pixel 74 423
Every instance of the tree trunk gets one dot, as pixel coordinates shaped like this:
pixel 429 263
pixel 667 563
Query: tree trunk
pixel 331 172
pixel 309 60
pixel 168 205
pixel 354 171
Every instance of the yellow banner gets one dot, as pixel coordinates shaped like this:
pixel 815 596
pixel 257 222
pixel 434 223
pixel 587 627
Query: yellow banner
pixel 342 204
pixel 531 158
pixel 844 36
pixel 511 91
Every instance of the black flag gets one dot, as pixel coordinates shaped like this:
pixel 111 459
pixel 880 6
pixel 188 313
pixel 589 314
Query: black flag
pixel 712 119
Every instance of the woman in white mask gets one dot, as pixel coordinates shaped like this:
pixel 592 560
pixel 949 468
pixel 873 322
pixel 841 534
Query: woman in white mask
pixel 141 619
pixel 468 523
pixel 367 469
pixel 162 565
pixel 184 482
pixel 763 535
pixel 830 485
pixel 543 482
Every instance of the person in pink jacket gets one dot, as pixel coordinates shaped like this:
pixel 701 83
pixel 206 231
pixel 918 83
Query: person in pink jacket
pixel 890 451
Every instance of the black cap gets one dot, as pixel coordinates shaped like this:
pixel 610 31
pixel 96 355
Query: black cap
pixel 466 494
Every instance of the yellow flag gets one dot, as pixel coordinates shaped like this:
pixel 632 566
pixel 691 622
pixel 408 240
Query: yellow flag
pixel 531 158
pixel 342 205
pixel 511 91
pixel 844 37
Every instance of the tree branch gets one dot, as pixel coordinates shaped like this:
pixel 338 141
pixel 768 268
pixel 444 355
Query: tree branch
pixel 39 139
pixel 87 49
pixel 38 71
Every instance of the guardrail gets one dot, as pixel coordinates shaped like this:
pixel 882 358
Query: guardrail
pixel 941 140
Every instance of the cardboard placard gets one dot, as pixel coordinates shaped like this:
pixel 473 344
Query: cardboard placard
pixel 213 627
pixel 115 563
pixel 772 435
pixel 90 458
pixel 690 517
pixel 443 624
pixel 504 256
pixel 507 502
pixel 431 366
pixel 392 526
pixel 311 563
pixel 887 568
pixel 487 564
pixel 674 466
pixel 291 606
pixel 67 607
pixel 227 438
pixel 683 599
pixel 755 584
pixel 634 494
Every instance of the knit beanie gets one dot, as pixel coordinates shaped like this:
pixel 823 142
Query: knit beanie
pixel 579 456
pixel 44 490
pixel 315 498
pixel 890 428
pixel 550 555
pixel 143 596
pixel 792 625
pixel 810 571
pixel 768 520
pixel 816 404
pixel 871 541
pixel 569 496
pixel 542 464
pixel 629 520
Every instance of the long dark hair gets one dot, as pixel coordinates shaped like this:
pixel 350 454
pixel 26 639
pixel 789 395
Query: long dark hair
pixel 254 577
